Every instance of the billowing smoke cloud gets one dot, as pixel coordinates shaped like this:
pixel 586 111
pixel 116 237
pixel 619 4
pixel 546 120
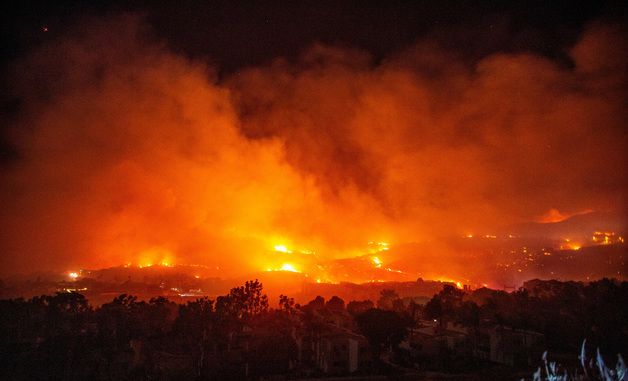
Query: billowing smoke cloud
pixel 442 144
pixel 130 153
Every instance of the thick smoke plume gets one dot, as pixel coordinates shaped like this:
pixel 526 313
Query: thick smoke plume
pixel 130 153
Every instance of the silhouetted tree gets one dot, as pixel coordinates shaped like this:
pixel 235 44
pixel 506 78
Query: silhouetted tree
pixel 443 306
pixel 335 304
pixel 386 299
pixel 383 329
pixel 357 307
pixel 287 304
pixel 467 314
pixel 434 308
pixel 317 303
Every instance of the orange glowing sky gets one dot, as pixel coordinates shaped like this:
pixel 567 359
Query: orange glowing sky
pixel 129 152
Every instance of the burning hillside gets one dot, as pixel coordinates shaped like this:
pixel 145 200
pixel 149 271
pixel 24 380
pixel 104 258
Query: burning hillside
pixel 126 152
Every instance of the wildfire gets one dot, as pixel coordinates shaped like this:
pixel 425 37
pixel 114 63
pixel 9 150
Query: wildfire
pixel 448 280
pixel 606 238
pixel 285 267
pixel 570 245
pixel 73 275
pixel 377 262
pixel 289 267
pixel 375 247
pixel 282 249
pixel 158 256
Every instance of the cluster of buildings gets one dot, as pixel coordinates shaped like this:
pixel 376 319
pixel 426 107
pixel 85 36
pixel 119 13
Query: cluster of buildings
pixel 494 343
pixel 332 346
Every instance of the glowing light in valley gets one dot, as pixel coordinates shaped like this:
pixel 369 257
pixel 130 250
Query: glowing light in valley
pixel 73 275
pixel 71 290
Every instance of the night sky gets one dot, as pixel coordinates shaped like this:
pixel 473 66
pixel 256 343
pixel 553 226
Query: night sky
pixel 206 132
pixel 232 35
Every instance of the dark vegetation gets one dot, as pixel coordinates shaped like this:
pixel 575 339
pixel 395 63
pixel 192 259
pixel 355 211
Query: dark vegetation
pixel 238 336
pixel 565 312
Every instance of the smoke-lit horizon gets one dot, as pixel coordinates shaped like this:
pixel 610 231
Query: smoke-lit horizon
pixel 129 152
